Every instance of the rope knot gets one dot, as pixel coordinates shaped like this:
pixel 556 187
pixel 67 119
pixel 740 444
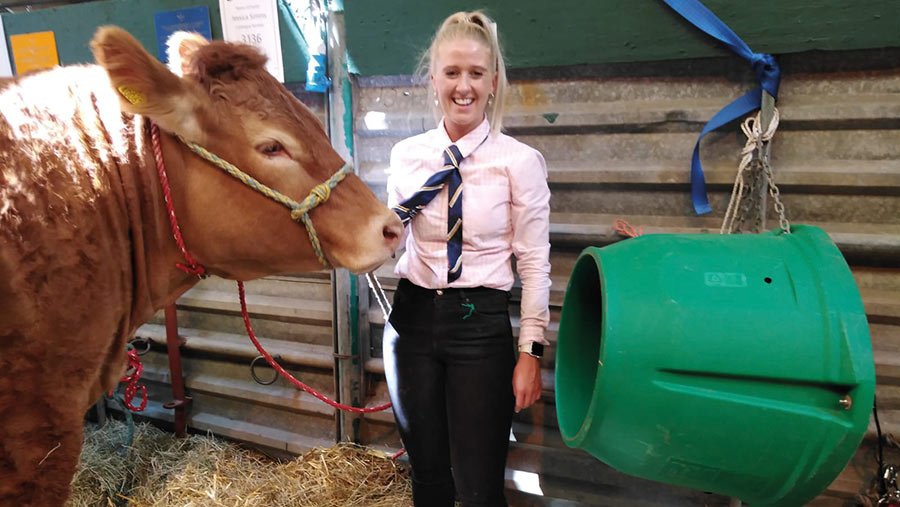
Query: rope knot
pixel 767 71
pixel 192 269
pixel 321 192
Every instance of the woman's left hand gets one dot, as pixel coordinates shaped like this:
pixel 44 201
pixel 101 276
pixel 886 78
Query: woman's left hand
pixel 526 381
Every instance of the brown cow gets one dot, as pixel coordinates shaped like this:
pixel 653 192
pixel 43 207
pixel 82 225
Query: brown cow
pixel 86 251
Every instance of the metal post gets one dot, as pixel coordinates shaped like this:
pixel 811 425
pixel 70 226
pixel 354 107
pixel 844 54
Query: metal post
pixel 350 302
pixel 766 112
pixel 181 402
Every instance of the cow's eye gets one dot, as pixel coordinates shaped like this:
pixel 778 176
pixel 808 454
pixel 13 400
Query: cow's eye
pixel 271 149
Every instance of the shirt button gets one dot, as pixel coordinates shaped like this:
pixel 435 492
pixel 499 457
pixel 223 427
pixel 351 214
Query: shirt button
pixel 439 292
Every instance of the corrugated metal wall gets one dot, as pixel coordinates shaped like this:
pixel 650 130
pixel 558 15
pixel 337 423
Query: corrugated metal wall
pixel 617 140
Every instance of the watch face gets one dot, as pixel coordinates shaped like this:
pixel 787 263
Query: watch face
pixel 537 349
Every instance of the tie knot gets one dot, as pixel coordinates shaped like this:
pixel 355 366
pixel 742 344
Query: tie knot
pixel 452 156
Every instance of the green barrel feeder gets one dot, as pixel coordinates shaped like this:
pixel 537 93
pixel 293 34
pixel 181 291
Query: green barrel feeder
pixel 736 364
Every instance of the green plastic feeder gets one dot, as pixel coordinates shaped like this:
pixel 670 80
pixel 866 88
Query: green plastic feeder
pixel 735 364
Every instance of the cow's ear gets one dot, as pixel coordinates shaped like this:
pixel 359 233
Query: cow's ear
pixel 181 49
pixel 146 86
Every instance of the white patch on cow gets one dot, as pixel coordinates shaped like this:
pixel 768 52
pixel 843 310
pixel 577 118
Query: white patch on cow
pixel 13 186
pixel 38 110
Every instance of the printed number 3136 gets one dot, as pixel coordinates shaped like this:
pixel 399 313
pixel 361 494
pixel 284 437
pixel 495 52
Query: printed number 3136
pixel 254 39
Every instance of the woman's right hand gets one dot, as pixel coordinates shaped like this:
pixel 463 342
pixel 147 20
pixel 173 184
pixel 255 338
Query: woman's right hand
pixel 526 381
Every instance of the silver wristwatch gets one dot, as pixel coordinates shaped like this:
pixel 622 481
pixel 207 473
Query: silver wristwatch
pixel 533 349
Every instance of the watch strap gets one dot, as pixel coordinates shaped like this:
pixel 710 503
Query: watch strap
pixel 534 349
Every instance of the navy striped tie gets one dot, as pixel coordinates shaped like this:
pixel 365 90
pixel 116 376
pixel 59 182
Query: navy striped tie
pixel 450 176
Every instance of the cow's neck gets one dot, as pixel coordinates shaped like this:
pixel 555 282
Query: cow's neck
pixel 155 254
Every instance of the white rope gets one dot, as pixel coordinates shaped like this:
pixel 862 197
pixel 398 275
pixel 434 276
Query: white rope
pixel 380 296
pixel 751 150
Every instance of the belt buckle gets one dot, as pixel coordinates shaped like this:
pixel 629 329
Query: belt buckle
pixel 439 292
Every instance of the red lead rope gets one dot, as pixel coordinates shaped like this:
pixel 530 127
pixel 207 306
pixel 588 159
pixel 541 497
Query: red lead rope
pixel 192 267
pixel 131 389
pixel 195 268
pixel 290 378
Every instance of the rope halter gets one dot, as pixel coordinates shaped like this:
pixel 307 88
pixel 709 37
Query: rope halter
pixel 299 210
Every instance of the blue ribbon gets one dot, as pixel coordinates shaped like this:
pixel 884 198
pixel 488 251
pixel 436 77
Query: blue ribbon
pixel 768 74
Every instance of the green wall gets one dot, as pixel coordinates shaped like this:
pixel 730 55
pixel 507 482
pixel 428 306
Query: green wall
pixel 74 25
pixel 385 37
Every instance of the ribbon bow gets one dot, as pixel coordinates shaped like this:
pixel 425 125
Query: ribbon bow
pixel 768 74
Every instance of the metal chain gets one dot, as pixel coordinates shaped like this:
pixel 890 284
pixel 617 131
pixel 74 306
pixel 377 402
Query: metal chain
pixel 774 191
pixel 892 495
pixel 754 178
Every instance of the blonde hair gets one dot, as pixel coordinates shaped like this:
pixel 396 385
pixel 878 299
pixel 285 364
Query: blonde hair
pixel 477 26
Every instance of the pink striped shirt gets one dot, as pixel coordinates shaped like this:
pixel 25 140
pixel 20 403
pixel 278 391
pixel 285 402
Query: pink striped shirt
pixel 506 212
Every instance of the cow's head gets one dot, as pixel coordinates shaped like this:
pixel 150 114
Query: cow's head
pixel 222 98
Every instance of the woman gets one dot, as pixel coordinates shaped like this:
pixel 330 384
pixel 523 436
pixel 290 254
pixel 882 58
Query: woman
pixel 471 197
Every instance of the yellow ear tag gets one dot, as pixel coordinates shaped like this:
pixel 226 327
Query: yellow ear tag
pixel 135 97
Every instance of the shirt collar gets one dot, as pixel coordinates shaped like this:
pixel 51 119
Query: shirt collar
pixel 467 143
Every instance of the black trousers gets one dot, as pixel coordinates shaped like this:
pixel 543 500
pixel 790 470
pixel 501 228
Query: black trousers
pixel 449 358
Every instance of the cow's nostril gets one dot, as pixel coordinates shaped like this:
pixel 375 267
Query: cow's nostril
pixel 392 233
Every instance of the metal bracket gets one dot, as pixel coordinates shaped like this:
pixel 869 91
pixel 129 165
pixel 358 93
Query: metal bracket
pixel 174 404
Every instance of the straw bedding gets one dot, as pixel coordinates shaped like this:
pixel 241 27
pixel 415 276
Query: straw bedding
pixel 161 470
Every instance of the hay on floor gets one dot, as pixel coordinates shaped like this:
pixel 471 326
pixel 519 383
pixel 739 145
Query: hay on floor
pixel 160 470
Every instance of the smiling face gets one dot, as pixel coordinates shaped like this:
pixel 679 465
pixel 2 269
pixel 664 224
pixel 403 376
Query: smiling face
pixel 463 78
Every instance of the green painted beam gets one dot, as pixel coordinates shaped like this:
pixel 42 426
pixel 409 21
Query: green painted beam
pixel 74 25
pixel 386 37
